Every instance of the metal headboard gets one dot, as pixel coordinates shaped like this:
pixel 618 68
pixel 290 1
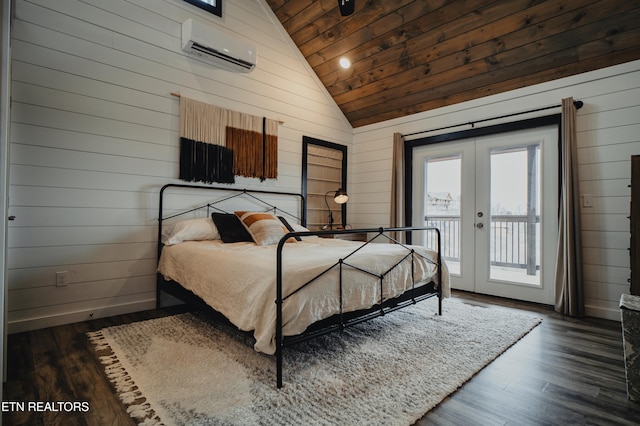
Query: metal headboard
pixel 234 192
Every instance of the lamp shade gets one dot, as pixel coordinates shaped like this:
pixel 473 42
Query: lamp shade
pixel 341 197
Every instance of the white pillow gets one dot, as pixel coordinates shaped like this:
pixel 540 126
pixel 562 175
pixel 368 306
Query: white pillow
pixel 190 230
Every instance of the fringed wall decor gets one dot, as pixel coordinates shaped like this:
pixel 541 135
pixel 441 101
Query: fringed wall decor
pixel 217 144
pixel 255 151
pixel 205 162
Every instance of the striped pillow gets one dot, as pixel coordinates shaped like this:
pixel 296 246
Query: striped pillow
pixel 265 228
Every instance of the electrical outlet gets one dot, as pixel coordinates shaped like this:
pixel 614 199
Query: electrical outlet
pixel 62 278
pixel 587 200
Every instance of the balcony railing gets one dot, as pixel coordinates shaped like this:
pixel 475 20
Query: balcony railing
pixel 513 241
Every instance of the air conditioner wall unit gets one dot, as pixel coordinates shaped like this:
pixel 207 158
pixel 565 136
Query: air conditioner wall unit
pixel 216 47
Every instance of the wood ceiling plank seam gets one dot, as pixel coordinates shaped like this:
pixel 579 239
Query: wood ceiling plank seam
pixel 477 15
pixel 560 71
pixel 318 26
pixel 575 68
pixel 397 80
pixel 316 50
pixel 274 5
pixel 287 10
pixel 380 50
pixel 333 19
pixel 610 44
pixel 308 16
pixel 416 51
pixel 386 47
pixel 571 39
pixel 463 42
pixel 396 97
pixel 466 90
pixel 462 84
pixel 541 41
pixel 334 30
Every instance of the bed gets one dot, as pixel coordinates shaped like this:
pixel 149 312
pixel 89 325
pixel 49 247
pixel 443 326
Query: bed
pixel 271 276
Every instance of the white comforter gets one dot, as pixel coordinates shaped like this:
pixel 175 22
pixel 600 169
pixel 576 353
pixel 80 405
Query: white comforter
pixel 239 280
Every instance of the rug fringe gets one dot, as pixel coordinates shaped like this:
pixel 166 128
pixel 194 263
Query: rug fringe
pixel 151 422
pixel 124 385
pixel 98 340
pixel 139 411
pixel 130 397
pixel 109 359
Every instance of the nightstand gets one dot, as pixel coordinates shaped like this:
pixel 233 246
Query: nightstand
pixel 351 237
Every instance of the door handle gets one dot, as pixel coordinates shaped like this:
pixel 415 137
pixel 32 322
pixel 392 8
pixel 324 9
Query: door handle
pixel 479 225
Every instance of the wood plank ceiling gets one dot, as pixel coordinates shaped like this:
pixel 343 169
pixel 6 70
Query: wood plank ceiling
pixel 410 56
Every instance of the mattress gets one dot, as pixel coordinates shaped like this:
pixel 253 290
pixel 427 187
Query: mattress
pixel 239 279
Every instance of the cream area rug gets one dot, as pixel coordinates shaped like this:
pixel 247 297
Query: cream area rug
pixel 188 369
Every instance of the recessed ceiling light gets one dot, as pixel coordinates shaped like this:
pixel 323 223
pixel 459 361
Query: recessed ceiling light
pixel 345 63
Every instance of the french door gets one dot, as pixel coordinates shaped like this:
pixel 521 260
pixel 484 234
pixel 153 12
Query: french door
pixel 494 199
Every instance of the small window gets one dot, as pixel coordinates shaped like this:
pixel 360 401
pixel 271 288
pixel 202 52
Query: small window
pixel 324 172
pixel 213 6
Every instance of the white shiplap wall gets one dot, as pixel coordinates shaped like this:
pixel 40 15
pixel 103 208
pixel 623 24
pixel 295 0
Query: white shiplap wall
pixel 94 136
pixel 608 134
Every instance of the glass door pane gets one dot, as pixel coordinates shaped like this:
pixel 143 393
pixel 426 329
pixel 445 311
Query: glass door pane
pixel 514 236
pixel 444 197
pixel 442 205
pixel 516 214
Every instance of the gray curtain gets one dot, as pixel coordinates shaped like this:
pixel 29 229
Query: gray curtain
pixel 569 289
pixel 397 186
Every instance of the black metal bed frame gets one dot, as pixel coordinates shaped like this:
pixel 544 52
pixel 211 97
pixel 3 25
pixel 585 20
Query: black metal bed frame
pixel 336 322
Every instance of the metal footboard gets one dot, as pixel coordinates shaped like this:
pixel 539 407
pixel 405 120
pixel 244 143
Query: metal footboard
pixel 379 309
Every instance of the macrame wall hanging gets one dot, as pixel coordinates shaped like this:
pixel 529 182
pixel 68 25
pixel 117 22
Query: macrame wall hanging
pixel 217 144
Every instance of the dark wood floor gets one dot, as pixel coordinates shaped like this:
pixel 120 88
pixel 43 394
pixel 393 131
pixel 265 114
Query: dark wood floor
pixel 565 372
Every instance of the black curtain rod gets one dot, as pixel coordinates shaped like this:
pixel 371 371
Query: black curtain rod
pixel 578 105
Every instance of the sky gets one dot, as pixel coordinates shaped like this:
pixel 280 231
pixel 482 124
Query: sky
pixel 509 180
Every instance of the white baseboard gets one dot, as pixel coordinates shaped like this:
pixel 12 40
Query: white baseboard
pixel 604 313
pixel 29 324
